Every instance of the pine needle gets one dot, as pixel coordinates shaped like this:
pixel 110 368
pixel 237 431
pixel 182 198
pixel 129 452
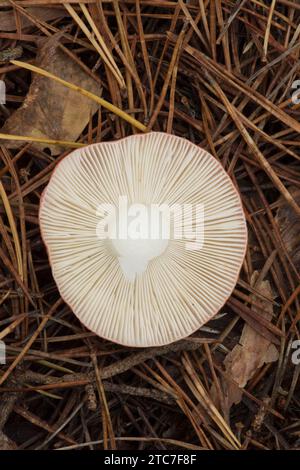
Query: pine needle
pixel 41 140
pixel 13 228
pixel 100 46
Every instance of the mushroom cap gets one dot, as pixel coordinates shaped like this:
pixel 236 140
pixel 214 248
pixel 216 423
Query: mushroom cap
pixel 177 289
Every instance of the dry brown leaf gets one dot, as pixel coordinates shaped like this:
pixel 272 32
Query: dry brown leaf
pixel 289 225
pixel 50 110
pixel 8 21
pixel 253 350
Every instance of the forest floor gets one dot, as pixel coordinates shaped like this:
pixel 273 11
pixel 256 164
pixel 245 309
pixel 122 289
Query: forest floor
pixel 224 75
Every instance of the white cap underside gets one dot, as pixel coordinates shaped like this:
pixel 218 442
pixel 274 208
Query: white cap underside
pixel 179 290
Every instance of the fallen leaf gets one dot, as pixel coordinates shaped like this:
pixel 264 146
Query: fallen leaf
pixel 50 110
pixel 8 21
pixel 289 225
pixel 253 350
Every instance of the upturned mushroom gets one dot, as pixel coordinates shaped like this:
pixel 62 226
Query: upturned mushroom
pixel 145 236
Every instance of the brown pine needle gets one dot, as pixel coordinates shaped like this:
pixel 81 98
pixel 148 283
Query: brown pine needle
pixel 100 47
pixel 14 230
pixel 222 74
pixel 249 140
pixel 106 421
pixel 40 328
pixel 199 391
pixel 12 326
pixel 268 29
pixel 107 56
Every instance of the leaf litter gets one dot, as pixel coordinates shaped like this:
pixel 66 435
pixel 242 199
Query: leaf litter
pixel 221 75
pixel 49 110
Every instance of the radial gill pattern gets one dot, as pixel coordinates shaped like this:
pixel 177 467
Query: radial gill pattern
pixel 180 289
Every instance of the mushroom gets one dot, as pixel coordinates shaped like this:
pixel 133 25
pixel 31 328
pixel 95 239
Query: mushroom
pixel 144 285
